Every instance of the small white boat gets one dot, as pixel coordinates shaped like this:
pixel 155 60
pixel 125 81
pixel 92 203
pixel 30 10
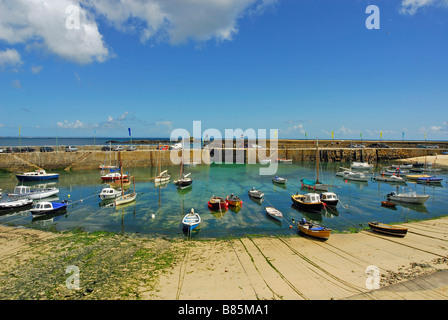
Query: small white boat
pixel 392 178
pixel 255 193
pixel 410 197
pixel 329 198
pixel 13 203
pixel 274 213
pixel 284 160
pixel 109 193
pixel 279 180
pixel 361 165
pixel 113 176
pixel 47 207
pixel 162 177
pixel 191 220
pixel 125 198
pixel 351 175
pixel 264 161
pixel 34 194
pixel 37 175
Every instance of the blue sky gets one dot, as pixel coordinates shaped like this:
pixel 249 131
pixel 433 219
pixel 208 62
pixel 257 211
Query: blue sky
pixel 297 66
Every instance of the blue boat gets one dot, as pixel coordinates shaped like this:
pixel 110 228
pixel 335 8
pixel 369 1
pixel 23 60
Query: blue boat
pixel 191 220
pixel 432 179
pixel 37 175
pixel 47 207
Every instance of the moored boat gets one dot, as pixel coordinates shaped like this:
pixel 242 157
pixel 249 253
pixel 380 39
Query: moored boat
pixel 361 165
pixel 392 178
pixel 264 161
pixel 191 220
pixel 354 176
pixel 279 180
pixel 184 182
pixel 388 229
pixel 314 185
pixel 429 179
pixel 217 203
pixel 309 201
pixel 410 197
pixel 313 229
pixel 388 204
pixel 329 198
pixel 113 176
pixel 34 194
pixel 254 193
pixel 274 213
pixel 234 201
pixel 284 160
pixel 47 207
pixel 15 202
pixel 37 175
pixel 109 193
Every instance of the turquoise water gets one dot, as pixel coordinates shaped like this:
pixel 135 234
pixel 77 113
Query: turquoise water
pixel 159 211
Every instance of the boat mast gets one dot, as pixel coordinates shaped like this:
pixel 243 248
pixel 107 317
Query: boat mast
pixel 317 160
pixel 121 172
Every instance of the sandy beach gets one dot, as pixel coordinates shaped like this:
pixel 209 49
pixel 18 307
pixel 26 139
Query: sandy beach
pixel 440 160
pixel 132 267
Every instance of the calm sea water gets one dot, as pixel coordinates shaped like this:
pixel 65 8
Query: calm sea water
pixel 159 211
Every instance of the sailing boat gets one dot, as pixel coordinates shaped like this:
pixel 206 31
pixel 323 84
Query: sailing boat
pixel 163 176
pixel 184 181
pixel 128 197
pixel 315 184
pixel 110 166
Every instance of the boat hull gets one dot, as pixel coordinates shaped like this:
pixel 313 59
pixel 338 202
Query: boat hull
pixel 191 221
pixel 387 229
pixel 125 199
pixel 417 200
pixel 14 204
pixel 298 201
pixel 57 207
pixel 314 186
pixel 22 177
pixel 274 213
pixel 314 230
pixel 217 203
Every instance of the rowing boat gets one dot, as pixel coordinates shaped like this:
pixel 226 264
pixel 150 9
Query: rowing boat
pixel 388 229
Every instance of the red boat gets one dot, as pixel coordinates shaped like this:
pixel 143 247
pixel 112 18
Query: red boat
pixel 113 176
pixel 217 203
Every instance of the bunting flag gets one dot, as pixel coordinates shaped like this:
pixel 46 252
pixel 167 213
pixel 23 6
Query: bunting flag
pixel 19 129
pixel 360 134
pixel 129 129
pixel 381 134
pixel 402 134
pixel 332 134
pixel 305 135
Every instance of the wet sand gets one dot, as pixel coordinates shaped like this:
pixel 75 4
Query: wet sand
pixel 246 268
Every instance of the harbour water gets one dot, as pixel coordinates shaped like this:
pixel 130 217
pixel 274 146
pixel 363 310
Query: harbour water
pixel 159 210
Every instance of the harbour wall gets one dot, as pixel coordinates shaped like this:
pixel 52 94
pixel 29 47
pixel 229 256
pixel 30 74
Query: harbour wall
pixel 92 159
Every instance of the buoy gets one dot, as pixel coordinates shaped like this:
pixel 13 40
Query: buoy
pixel 69 196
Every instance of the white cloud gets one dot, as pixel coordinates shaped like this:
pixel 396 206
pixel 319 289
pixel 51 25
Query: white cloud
pixel 411 6
pixel 72 125
pixel 36 69
pixel 42 24
pixel 16 84
pixel 49 25
pixel 9 57
pixel 178 21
